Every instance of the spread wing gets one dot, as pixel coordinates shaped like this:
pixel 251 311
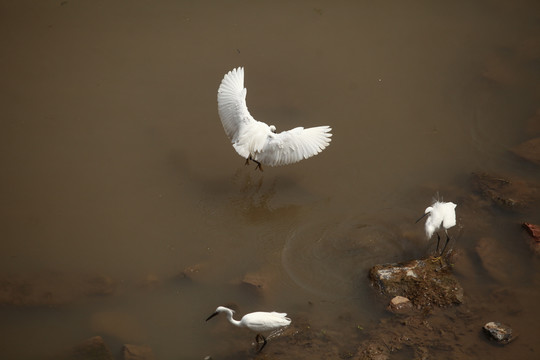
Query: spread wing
pixel 294 145
pixel 232 107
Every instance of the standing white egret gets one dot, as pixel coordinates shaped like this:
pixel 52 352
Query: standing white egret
pixel 256 321
pixel 254 140
pixel 440 214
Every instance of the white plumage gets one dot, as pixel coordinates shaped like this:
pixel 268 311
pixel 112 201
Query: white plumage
pixel 255 140
pixel 256 321
pixel 440 214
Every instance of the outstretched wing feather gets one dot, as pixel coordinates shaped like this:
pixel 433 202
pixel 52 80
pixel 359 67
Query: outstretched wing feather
pixel 232 107
pixel 294 145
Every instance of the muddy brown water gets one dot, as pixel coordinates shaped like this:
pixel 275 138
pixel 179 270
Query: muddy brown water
pixel 114 163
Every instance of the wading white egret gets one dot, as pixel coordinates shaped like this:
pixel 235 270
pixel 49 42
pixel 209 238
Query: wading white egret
pixel 256 321
pixel 440 214
pixel 254 140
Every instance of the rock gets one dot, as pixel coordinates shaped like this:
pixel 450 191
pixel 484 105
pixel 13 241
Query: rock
pixel 91 349
pixel 499 70
pixel 529 150
pixel 119 325
pixel 441 334
pixel 533 230
pixel 400 305
pixel 426 283
pixel 374 351
pixel 507 301
pixel 533 124
pixel 99 285
pixel 499 332
pixel 137 352
pixel 52 288
pixel 504 192
pixel 191 272
pixel 150 282
pixel 254 281
pixel 500 264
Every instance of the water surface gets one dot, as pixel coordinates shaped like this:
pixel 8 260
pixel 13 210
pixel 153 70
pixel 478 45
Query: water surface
pixel 114 161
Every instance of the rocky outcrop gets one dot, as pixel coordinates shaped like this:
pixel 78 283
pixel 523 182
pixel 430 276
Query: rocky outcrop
pixel 426 282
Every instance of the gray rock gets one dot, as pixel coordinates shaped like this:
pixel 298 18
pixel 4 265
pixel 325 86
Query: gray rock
pixel 501 333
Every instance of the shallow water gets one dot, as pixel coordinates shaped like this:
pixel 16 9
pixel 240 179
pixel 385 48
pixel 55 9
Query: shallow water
pixel 114 161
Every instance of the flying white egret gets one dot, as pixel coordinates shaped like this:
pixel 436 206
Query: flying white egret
pixel 256 321
pixel 440 214
pixel 254 140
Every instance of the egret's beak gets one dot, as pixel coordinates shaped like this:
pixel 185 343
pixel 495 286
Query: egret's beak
pixel 211 316
pixel 421 217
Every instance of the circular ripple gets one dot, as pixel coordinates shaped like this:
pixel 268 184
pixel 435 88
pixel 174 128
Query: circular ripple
pixel 330 258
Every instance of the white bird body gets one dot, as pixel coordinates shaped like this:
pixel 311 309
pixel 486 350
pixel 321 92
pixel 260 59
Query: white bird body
pixel 440 214
pixel 255 140
pixel 259 321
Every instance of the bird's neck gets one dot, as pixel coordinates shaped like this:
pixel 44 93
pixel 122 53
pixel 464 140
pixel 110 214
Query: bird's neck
pixel 231 320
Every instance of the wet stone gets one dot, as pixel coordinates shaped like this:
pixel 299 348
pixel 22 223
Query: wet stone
pixel 501 333
pixel 191 272
pixel 533 230
pixel 137 352
pixel 254 281
pixel 93 348
pixel 500 264
pixel 52 288
pixel 426 283
pixel 533 124
pixel 504 192
pixel 529 150
pixel 100 285
pixel 120 325
pixel 400 304
pixel 150 282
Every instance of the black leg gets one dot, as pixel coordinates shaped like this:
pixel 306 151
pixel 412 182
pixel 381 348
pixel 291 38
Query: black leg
pixel 259 166
pixel 247 161
pixel 438 240
pixel 259 336
pixel 444 248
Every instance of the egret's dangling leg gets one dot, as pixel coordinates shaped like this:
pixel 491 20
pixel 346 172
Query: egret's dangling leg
pixel 259 336
pixel 259 166
pixel 444 248
pixel 438 257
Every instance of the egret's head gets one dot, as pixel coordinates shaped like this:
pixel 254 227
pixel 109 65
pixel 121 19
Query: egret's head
pixel 272 128
pixel 428 211
pixel 219 310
